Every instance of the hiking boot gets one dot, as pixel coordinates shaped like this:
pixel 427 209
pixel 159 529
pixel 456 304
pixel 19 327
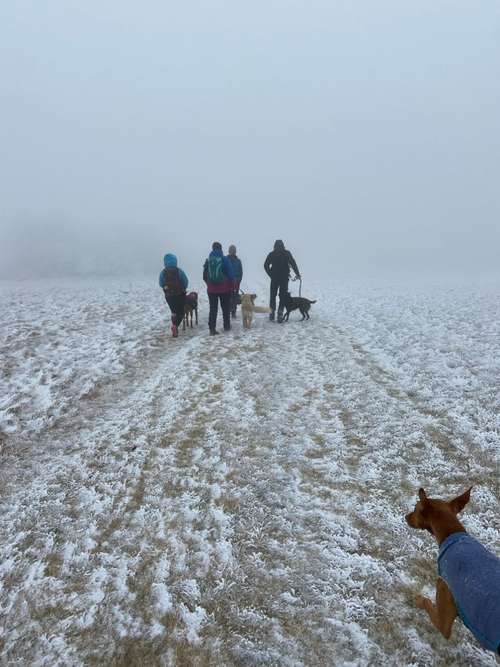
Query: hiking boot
pixel 280 316
pixel 271 315
pixel 214 333
pixel 175 331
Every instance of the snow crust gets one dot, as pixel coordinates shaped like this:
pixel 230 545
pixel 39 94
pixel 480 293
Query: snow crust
pixel 238 499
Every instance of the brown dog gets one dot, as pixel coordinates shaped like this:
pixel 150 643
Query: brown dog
pixel 469 574
pixel 190 307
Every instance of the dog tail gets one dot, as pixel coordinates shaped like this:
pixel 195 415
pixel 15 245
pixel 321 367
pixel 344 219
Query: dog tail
pixel 261 309
pixel 311 301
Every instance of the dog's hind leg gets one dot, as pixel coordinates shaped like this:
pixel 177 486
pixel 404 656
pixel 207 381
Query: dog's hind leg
pixel 444 612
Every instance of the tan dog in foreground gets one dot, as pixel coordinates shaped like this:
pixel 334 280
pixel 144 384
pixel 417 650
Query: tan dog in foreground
pixel 248 308
pixel 469 574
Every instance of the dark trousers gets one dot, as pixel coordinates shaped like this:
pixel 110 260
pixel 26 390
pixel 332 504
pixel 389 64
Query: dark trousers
pixel 176 304
pixel 225 304
pixel 282 286
pixel 235 299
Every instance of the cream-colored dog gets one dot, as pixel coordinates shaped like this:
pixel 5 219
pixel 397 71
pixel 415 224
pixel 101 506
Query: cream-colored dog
pixel 248 308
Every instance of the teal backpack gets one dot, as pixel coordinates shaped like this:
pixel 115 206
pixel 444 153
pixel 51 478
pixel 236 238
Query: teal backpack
pixel 215 269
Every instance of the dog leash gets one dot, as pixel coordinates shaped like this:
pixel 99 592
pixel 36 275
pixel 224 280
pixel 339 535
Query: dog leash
pixel 300 284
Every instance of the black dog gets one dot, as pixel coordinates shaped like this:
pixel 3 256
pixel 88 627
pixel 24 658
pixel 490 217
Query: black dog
pixel 294 302
pixel 190 307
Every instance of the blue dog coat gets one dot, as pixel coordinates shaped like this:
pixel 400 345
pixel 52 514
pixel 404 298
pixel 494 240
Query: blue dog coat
pixel 473 577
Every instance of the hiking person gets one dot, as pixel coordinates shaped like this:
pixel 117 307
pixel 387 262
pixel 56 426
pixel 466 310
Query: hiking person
pixel 219 277
pixel 174 282
pixel 237 266
pixel 277 266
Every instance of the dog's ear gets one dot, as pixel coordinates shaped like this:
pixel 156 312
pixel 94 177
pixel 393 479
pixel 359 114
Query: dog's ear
pixel 458 503
pixel 423 496
pixel 253 296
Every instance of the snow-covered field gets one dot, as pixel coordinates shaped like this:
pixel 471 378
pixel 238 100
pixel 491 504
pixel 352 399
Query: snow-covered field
pixel 238 500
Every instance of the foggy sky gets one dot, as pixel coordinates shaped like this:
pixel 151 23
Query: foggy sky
pixel 365 134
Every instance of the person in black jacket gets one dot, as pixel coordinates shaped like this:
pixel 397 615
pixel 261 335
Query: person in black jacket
pixel 277 267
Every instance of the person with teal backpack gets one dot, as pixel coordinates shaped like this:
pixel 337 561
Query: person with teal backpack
pixel 219 277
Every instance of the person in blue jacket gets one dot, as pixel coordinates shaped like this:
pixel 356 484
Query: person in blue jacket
pixel 238 275
pixel 219 277
pixel 174 282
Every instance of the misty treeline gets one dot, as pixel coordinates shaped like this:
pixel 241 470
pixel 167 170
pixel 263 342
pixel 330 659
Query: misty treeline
pixel 57 248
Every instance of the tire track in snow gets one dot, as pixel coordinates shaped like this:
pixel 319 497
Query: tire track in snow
pixel 99 477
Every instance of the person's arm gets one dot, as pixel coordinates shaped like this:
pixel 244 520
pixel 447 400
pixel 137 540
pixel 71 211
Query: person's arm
pixel 293 264
pixel 184 279
pixel 161 279
pixel 205 271
pixel 267 265
pixel 240 277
